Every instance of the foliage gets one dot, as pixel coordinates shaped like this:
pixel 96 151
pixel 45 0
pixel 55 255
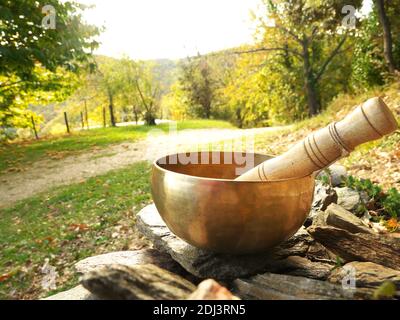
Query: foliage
pixel 304 40
pixel 368 63
pixel 176 103
pixel 388 203
pixel 387 290
pixel 197 81
pixel 37 62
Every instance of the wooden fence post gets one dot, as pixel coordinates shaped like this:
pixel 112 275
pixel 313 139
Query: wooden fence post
pixel 34 128
pixel 83 123
pixel 104 117
pixel 86 115
pixel 66 121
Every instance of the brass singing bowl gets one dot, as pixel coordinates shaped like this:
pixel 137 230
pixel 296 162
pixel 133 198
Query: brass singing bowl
pixel 202 204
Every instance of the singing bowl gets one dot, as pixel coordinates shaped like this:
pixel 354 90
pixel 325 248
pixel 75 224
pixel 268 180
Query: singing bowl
pixel 201 204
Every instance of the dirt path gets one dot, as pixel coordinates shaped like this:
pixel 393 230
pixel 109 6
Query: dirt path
pixel 44 174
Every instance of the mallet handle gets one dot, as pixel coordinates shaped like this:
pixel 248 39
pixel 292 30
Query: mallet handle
pixel 369 121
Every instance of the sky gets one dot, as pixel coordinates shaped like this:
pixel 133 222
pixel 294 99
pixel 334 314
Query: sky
pixel 152 29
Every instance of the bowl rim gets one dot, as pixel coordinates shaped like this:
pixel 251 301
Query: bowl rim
pixel 158 167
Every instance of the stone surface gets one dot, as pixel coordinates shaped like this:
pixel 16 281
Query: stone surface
pixel 323 197
pixel 339 217
pixel 285 287
pixel 204 264
pixel 139 282
pixel 367 274
pixel 301 266
pixel 320 219
pixel 359 247
pixel 211 290
pixel 129 258
pixel 348 198
pixel 336 173
pixel 77 293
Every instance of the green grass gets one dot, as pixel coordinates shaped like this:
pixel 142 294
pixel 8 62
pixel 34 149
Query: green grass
pixel 67 224
pixel 14 155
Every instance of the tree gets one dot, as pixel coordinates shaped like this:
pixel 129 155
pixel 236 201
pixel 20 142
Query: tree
pixel 36 60
pixel 109 81
pixel 197 81
pixel 387 35
pixel 149 92
pixel 130 95
pixel 303 30
pixel 140 89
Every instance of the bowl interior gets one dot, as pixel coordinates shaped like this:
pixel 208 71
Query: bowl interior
pixel 212 165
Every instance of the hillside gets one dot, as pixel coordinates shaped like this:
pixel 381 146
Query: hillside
pixel 377 160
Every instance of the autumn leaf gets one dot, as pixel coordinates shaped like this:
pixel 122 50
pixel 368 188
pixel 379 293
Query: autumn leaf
pixel 392 225
pixel 5 276
pixel 79 227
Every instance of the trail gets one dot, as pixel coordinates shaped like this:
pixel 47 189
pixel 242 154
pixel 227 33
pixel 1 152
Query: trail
pixel 45 174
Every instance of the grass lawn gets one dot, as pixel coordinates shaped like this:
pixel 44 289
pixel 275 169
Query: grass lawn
pixel 13 155
pixel 67 224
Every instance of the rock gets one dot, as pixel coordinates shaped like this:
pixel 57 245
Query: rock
pixel 300 266
pixel 284 287
pixel 359 247
pixel 139 282
pixel 335 173
pixel 211 290
pixel 348 198
pixel 366 274
pixel 77 293
pixel 323 197
pixel 129 258
pixel 320 219
pixel 205 264
pixel 340 218
pixel 303 245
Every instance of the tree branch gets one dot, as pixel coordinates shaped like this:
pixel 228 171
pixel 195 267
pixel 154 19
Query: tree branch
pixel 294 36
pixel 268 49
pixel 313 34
pixel 329 59
pixel 141 95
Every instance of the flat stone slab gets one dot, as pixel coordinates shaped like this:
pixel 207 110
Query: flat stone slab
pixel 269 286
pixel 127 258
pixel 138 282
pixel 204 264
pixel 77 293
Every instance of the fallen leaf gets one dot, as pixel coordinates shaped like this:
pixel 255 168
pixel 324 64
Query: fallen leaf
pixel 79 227
pixel 5 276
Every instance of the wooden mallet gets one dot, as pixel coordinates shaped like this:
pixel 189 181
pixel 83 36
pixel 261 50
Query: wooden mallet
pixel 369 121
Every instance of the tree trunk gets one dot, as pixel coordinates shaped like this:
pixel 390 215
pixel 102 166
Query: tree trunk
pixel 387 36
pixel 111 107
pixel 149 119
pixel 135 114
pixel 309 82
pixel 208 113
pixel 239 117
